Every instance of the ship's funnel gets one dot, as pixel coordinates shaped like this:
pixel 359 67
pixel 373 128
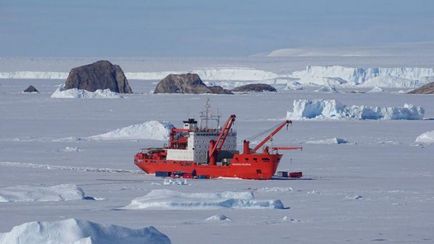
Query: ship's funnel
pixel 246 147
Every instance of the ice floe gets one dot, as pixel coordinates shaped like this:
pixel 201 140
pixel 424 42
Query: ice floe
pixel 167 199
pixel 79 93
pixel 332 109
pixel 64 192
pixel 218 218
pixel 80 232
pixel 334 140
pixel 426 138
pixel 149 130
pixel 275 189
pixel 71 149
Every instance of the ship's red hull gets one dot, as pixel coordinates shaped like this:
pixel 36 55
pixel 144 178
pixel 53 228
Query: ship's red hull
pixel 246 166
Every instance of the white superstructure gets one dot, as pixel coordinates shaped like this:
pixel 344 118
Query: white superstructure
pixel 198 144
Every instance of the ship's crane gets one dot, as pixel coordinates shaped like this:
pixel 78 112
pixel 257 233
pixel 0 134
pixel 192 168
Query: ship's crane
pixel 274 132
pixel 216 146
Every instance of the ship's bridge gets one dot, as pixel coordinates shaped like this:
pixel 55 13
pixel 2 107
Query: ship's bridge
pixel 198 143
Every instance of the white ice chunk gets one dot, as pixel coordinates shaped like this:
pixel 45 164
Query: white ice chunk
pixel 79 93
pixel 334 140
pixel 167 199
pixel 149 130
pixel 24 193
pixel 426 138
pixel 75 231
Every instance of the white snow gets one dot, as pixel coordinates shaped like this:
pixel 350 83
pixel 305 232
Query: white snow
pixel 76 231
pixel 71 149
pixel 294 85
pixel 393 178
pixel 79 93
pixel 426 137
pixel 334 140
pixel 167 199
pixel 218 218
pixel 66 168
pixel 149 130
pixel 275 189
pixel 332 109
pixel 25 193
pixel 327 89
pixel 376 90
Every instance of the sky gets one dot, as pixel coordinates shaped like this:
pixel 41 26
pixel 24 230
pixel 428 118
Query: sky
pixel 189 28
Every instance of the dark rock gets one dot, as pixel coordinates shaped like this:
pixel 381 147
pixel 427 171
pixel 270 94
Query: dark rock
pixel 31 89
pixel 186 83
pixel 425 89
pixel 219 90
pixel 254 88
pixel 99 75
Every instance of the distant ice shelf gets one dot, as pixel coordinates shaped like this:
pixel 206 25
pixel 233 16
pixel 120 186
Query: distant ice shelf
pixel 330 76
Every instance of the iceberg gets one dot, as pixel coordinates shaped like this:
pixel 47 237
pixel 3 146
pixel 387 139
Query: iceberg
pixel 332 109
pixel 149 130
pixel 80 232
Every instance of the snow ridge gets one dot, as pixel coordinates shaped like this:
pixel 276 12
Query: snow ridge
pixel 64 192
pixel 168 199
pixel 426 138
pixel 332 109
pixel 149 130
pixel 80 231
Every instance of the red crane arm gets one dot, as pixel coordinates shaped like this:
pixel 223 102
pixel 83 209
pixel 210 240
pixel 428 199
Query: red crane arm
pixel 274 132
pixel 223 134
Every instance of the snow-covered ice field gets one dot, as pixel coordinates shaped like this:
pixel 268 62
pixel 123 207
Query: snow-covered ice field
pixel 377 187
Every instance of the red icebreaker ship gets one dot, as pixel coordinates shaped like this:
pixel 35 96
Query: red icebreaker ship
pixel 201 152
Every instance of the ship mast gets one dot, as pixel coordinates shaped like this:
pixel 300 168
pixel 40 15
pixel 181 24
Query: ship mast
pixel 206 116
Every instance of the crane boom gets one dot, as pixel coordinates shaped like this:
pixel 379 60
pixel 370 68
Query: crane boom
pixel 274 132
pixel 217 145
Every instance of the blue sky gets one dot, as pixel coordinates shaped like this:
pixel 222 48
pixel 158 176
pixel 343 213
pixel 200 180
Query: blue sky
pixel 56 28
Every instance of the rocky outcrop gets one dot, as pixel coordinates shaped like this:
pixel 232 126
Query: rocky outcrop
pixel 187 83
pixel 99 75
pixel 254 88
pixel 31 89
pixel 425 89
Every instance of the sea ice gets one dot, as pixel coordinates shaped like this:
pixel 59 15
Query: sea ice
pixel 334 140
pixel 80 232
pixel 332 109
pixel 167 199
pixel 149 130
pixel 64 192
